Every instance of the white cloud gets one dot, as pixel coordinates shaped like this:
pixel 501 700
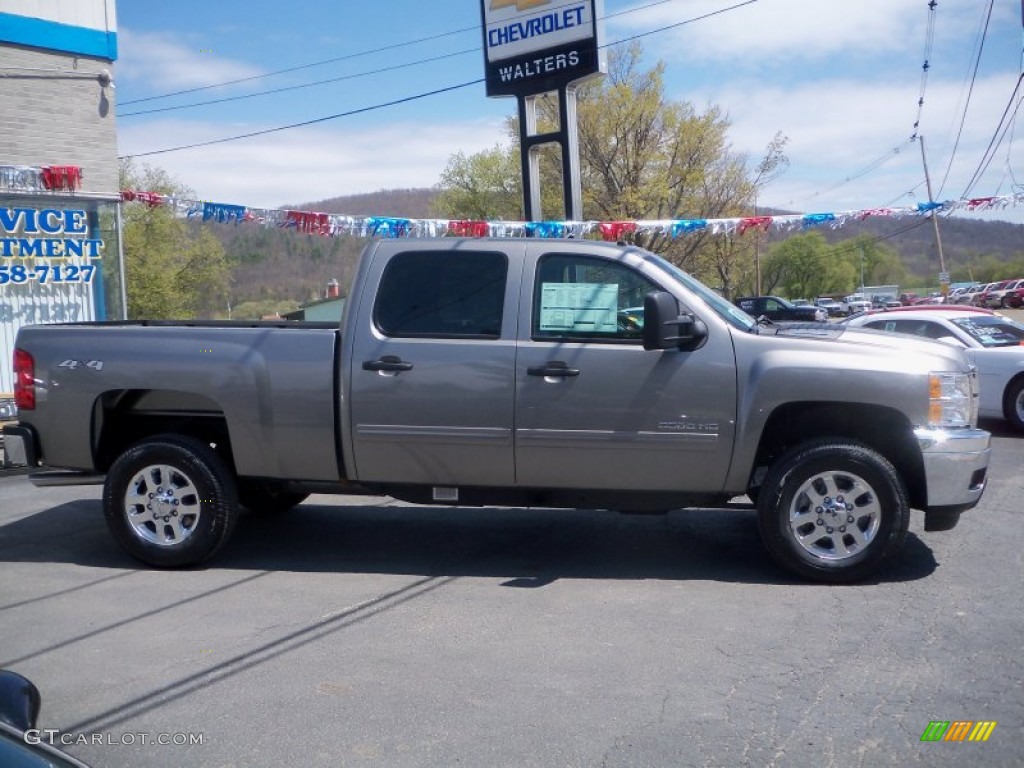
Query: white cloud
pixel 162 62
pixel 788 29
pixel 838 128
pixel 306 164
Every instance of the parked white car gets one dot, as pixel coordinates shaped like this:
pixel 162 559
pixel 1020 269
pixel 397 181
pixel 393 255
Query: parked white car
pixel 995 344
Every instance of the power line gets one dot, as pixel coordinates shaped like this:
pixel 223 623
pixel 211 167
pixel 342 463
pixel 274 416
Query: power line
pixel 682 23
pixel 347 57
pixel 864 171
pixel 844 248
pixel 997 139
pixel 979 47
pixel 409 98
pixel 300 86
pixel 299 67
pixel 883 159
pixel 929 37
pixel 305 122
pixel 909 193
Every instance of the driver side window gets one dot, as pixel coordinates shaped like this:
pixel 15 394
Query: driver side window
pixel 585 298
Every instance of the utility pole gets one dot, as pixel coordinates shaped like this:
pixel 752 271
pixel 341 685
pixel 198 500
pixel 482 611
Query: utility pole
pixel 943 275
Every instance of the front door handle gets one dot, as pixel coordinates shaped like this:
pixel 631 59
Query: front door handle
pixel 554 368
pixel 387 363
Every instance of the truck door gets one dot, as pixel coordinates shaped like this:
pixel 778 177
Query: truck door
pixel 432 365
pixel 594 410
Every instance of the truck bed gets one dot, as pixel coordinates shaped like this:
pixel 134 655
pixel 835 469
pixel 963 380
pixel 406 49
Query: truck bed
pixel 267 385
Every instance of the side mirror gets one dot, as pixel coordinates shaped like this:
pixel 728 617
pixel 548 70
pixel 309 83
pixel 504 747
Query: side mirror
pixel 666 328
pixel 19 701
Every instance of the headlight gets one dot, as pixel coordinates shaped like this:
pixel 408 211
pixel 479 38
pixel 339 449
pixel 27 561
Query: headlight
pixel 951 400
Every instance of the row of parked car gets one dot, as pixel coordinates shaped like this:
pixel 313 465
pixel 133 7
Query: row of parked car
pixel 998 295
pixel 1002 294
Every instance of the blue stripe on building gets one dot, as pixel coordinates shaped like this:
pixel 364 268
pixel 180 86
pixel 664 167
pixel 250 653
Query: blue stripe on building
pixel 40 33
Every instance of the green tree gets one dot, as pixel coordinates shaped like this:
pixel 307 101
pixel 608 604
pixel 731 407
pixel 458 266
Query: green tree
pixel 173 268
pixel 482 186
pixel 735 260
pixel 642 156
pixel 805 266
pixel 881 265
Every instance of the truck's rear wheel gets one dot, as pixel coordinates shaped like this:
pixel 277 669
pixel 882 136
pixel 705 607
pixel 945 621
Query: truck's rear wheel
pixel 267 498
pixel 170 501
pixel 833 511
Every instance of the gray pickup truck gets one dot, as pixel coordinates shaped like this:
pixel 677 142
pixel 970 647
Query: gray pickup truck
pixel 511 372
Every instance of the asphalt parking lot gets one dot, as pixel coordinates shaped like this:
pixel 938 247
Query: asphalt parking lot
pixel 360 631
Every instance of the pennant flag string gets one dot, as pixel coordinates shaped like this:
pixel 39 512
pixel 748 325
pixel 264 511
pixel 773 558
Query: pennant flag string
pixel 45 178
pixel 337 225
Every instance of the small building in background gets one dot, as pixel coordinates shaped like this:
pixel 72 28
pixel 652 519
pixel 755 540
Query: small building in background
pixel 327 309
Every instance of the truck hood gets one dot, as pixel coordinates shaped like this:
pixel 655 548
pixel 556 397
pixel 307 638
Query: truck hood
pixel 861 339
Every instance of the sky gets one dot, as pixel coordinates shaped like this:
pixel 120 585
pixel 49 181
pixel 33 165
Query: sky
pixel 842 79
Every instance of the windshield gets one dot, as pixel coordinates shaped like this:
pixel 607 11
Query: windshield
pixel 992 330
pixel 726 310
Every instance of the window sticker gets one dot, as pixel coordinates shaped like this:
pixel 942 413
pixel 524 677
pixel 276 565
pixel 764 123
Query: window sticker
pixel 992 332
pixel 579 307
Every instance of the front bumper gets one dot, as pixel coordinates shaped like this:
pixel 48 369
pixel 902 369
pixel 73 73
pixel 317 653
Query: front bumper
pixel 955 467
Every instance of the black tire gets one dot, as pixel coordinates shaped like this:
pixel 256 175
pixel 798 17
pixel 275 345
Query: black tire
pixel 266 498
pixel 846 491
pixel 1013 404
pixel 183 478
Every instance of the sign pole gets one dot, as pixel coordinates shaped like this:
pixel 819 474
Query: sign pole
pixel 572 188
pixel 528 157
pixel 567 138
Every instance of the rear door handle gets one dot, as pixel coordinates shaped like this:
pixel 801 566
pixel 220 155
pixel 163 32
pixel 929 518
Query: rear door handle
pixel 554 368
pixel 387 363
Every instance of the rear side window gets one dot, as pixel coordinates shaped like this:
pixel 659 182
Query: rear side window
pixel 588 299
pixel 442 294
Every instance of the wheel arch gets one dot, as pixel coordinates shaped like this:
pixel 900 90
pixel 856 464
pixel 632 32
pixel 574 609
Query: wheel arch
pixel 121 418
pixel 885 430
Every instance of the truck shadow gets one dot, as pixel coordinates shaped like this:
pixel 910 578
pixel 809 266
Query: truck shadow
pixel 526 547
pixel 998 428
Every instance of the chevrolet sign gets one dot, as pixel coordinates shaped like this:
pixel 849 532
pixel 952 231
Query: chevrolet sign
pixel 533 46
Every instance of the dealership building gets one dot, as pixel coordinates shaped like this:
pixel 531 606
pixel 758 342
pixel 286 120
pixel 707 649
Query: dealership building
pixel 59 195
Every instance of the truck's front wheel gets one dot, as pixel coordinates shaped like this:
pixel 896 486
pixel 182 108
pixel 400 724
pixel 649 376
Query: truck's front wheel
pixel 170 501
pixel 833 511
